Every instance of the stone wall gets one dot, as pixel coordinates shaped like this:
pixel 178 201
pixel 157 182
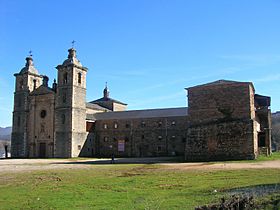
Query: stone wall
pixel 218 101
pixel 222 122
pixel 225 140
pixel 140 137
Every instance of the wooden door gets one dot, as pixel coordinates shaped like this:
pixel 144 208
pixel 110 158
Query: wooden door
pixel 42 150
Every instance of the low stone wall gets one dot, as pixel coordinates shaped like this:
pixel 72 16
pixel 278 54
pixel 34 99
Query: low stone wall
pixel 220 140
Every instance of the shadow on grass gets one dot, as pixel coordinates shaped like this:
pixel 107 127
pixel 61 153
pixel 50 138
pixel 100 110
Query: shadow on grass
pixel 151 160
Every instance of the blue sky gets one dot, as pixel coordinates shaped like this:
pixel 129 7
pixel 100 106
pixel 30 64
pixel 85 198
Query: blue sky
pixel 147 50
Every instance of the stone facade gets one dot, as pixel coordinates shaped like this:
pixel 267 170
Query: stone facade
pixel 50 122
pixel 140 137
pixel 225 120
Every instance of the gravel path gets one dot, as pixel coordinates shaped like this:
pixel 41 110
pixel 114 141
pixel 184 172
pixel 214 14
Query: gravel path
pixel 21 165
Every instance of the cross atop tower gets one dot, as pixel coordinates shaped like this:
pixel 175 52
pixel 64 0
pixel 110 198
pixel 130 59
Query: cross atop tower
pixel 106 91
pixel 73 43
pixel 30 53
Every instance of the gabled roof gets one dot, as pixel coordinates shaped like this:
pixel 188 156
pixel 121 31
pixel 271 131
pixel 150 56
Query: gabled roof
pixel 96 107
pixel 42 90
pixel 134 114
pixel 103 99
pixel 220 82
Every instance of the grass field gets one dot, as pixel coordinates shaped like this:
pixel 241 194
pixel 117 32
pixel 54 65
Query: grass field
pixel 126 186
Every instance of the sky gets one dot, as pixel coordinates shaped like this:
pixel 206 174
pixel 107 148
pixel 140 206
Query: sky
pixel 147 50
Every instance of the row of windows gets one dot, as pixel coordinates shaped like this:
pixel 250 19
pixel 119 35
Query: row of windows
pixel 143 124
pixel 65 78
pixel 106 138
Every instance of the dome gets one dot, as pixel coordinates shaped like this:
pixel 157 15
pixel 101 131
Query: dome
pixel 29 67
pixel 72 59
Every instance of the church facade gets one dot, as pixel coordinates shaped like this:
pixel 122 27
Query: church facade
pixel 225 120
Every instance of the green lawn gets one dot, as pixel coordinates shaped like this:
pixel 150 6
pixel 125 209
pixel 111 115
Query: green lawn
pixel 274 156
pixel 141 186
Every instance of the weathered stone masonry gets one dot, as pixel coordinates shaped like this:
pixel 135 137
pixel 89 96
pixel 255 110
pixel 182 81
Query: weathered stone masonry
pixel 225 120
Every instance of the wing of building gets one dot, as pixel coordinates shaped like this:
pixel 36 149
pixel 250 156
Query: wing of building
pixel 224 120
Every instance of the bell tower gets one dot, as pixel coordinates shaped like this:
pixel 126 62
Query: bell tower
pixel 70 108
pixel 27 80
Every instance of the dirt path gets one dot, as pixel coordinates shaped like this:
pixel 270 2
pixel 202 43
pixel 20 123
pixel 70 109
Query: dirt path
pixel 21 165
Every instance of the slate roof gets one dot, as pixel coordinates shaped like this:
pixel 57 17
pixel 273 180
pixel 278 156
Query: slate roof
pixel 96 107
pixel 107 99
pixel 42 90
pixel 134 114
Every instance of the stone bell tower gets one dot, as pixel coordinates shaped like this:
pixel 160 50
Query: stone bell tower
pixel 70 108
pixel 27 80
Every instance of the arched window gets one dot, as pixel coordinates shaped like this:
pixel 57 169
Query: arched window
pixel 65 78
pixel 79 77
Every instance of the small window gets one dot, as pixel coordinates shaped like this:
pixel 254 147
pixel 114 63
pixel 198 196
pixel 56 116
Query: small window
pixel 143 137
pixel 63 97
pixel 115 125
pixel 105 139
pixel 173 137
pixel 34 84
pixel 18 121
pixel 21 85
pixel 183 139
pixel 126 139
pixel 79 77
pixel 159 137
pixel 143 124
pixel 43 113
pixel 105 126
pixel 159 124
pixel 159 148
pixel 173 123
pixel 63 118
pixel 79 147
pixel 127 125
pixel 65 78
